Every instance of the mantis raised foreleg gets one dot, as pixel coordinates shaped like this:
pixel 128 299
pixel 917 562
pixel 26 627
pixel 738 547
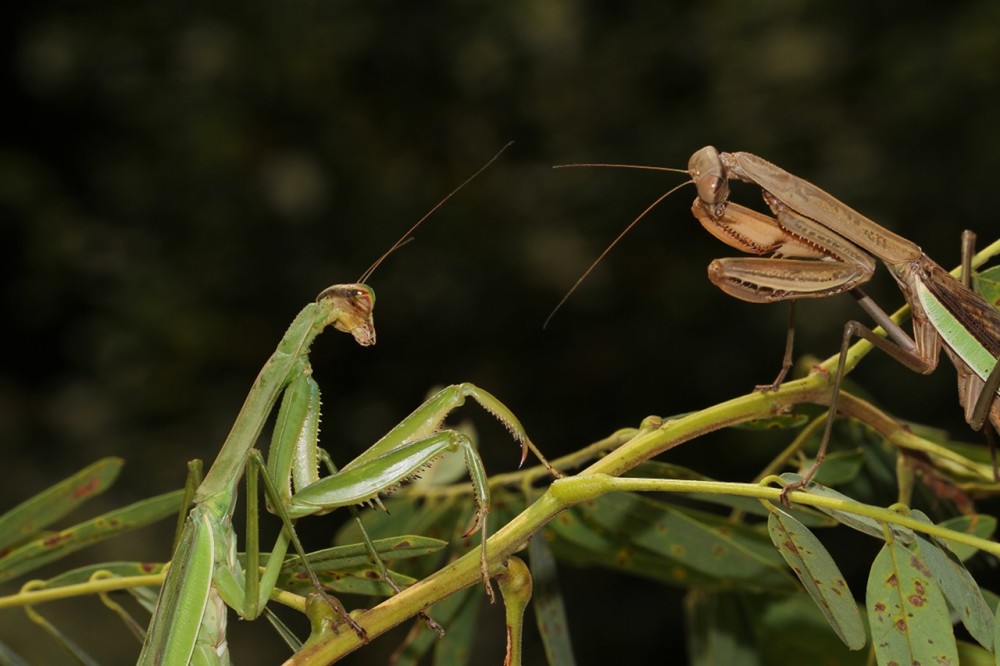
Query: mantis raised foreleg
pixel 830 248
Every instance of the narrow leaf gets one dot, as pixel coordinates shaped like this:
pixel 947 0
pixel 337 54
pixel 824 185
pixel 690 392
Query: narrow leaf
pixel 819 575
pixel 908 615
pixel 59 544
pixel 78 653
pixel 550 611
pixel 356 554
pixel 583 544
pixel 718 630
pixel 420 639
pixel 10 658
pixel 28 518
pixel 455 649
pixel 731 553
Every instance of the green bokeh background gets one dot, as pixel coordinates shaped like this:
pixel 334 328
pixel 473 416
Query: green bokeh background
pixel 177 181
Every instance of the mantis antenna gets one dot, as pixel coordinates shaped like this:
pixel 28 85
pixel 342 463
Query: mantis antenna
pixel 625 230
pixel 405 238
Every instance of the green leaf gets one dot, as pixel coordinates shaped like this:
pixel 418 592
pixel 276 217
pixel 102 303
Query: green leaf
pixel 863 524
pixel 841 467
pixel 819 575
pixel 729 552
pixel 907 613
pixel 10 658
pixel 960 589
pixel 794 625
pixel 550 611
pixel 420 639
pixel 33 515
pixel 987 284
pixel 719 630
pixel 78 653
pixel 356 554
pixel 59 544
pixel 455 649
pixel 980 524
pixel 583 544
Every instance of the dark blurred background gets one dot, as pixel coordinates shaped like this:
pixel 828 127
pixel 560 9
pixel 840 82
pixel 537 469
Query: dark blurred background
pixel 177 181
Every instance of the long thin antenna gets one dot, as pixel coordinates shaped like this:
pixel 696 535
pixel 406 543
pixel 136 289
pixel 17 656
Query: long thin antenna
pixel 637 167
pixel 406 237
pixel 619 237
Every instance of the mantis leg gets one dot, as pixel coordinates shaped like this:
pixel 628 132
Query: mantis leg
pixel 383 570
pixel 919 354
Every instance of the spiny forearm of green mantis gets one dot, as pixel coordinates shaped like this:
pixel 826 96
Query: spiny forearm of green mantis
pixel 526 478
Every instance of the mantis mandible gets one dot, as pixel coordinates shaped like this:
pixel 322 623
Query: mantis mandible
pixel 205 576
pixel 826 248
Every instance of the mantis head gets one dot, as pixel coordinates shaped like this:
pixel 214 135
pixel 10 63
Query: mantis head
pixel 352 310
pixel 709 175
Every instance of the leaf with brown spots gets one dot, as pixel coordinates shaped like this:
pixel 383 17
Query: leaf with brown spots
pixel 819 575
pixel 733 554
pixel 54 546
pixel 960 589
pixel 907 613
pixel 30 517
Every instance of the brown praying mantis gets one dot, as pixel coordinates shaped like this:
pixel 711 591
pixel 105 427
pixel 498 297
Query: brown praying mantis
pixel 818 247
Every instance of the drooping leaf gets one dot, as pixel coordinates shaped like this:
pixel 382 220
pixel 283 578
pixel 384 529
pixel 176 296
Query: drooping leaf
pixel 582 544
pixel 59 544
pixel 421 638
pixel 820 576
pixel 550 611
pixel 907 613
pixel 455 648
pixel 10 658
pixel 719 631
pixel 78 653
pixel 960 589
pixel 731 553
pixel 33 515
pixel 792 630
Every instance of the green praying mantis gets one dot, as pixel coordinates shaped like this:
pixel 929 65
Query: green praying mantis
pixel 205 574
